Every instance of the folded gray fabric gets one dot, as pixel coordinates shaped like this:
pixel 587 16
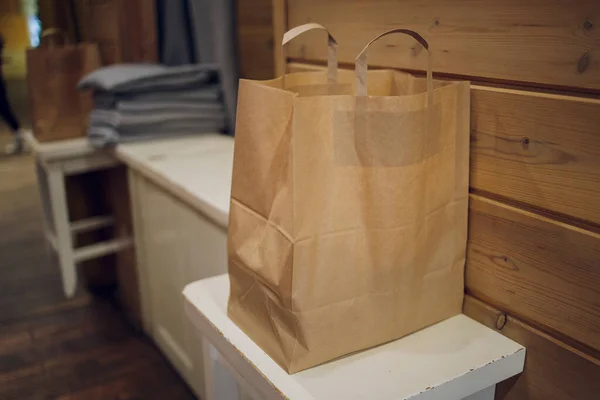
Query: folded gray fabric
pixel 196 107
pixel 215 126
pixel 209 92
pixel 133 78
pixel 177 127
pixel 140 121
pixel 103 136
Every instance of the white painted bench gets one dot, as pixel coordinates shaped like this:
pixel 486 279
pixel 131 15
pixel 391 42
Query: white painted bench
pixel 456 359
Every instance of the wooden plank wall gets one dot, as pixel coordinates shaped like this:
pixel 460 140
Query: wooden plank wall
pixel 125 30
pixel 255 39
pixel 10 6
pixel 533 262
pixel 58 14
pixel 554 43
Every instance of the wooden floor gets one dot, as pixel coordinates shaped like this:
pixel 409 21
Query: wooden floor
pixel 52 348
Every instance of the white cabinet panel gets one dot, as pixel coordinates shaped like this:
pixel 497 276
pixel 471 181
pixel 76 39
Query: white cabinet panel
pixel 176 245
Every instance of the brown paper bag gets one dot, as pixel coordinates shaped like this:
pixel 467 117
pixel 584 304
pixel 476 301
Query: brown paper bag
pixel 59 111
pixel 348 221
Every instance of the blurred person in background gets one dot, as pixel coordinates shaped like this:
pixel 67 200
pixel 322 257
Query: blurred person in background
pixel 6 111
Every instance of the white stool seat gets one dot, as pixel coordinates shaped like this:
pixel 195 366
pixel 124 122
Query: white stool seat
pixel 454 359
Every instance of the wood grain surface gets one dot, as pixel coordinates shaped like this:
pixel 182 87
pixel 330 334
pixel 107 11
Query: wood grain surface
pixel 553 370
pixel 280 26
pixel 125 30
pixel 10 6
pixel 143 46
pixel 101 24
pixel 555 43
pixel 535 267
pixel 539 149
pixel 534 251
pixel 57 348
pixel 255 39
pixel 118 204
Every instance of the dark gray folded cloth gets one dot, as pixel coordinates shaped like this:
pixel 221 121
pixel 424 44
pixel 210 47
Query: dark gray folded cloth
pixel 104 136
pixel 206 93
pixel 143 101
pixel 142 121
pixel 135 78
pixel 187 107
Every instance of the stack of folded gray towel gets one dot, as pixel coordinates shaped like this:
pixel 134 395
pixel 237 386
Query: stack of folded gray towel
pixel 140 101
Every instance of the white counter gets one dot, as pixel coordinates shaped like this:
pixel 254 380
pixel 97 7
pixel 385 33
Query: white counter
pixel 195 169
pixel 180 191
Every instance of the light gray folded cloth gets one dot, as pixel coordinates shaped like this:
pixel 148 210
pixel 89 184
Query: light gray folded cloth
pixel 142 101
pixel 209 92
pixel 204 107
pixel 133 78
pixel 143 121
pixel 104 136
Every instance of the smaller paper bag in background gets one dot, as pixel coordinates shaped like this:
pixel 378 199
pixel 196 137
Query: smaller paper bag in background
pixel 59 111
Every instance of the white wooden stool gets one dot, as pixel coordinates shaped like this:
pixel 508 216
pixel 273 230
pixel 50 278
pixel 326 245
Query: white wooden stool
pixel 54 162
pixel 456 359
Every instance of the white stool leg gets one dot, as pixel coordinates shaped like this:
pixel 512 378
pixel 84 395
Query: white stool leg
pixel 226 386
pixel 220 382
pixel 486 394
pixel 62 226
pixel 42 179
pixel 209 373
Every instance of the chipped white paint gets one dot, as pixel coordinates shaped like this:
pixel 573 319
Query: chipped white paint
pixel 454 359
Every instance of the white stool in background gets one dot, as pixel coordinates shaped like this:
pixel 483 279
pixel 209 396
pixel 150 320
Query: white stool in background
pixel 54 162
pixel 455 359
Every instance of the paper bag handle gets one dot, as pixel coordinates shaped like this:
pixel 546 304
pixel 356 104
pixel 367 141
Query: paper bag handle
pixel 52 32
pixel 332 60
pixel 361 65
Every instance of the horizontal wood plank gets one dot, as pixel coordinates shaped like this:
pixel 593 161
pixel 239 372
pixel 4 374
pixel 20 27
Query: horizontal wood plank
pixel 536 148
pixel 553 370
pixel 542 269
pixel 555 43
pixel 536 268
pixel 102 22
pixel 256 53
